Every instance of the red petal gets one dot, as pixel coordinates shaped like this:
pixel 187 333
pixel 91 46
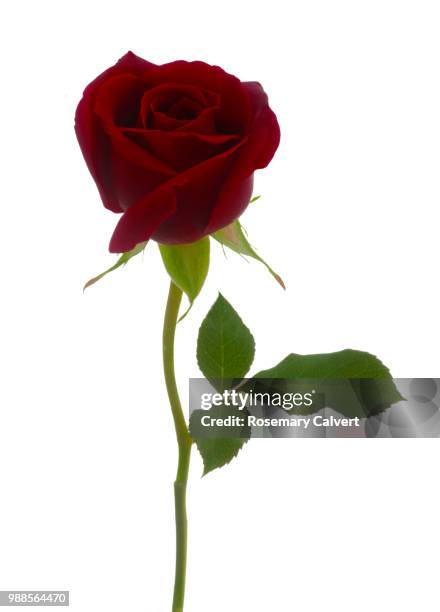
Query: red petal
pixel 231 203
pixel 140 221
pixel 181 150
pixel 197 191
pixel 265 133
pixel 235 113
pixel 114 98
pixel 256 152
pixel 203 124
pixel 93 142
pixel 134 170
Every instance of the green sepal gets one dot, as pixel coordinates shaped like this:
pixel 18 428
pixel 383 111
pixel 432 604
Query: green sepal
pixel 233 237
pixel 187 265
pixel 123 259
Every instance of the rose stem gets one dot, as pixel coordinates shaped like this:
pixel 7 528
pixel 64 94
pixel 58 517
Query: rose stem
pixel 183 440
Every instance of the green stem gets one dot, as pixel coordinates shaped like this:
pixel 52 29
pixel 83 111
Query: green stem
pixel 184 443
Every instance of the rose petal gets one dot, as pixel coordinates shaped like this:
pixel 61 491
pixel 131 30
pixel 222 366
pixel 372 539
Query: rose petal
pixel 153 115
pixel 203 124
pixel 93 142
pixel 135 171
pixel 163 97
pixel 256 152
pixel 266 131
pixel 140 221
pixel 231 203
pixel 235 114
pixel 112 101
pixel 197 191
pixel 181 150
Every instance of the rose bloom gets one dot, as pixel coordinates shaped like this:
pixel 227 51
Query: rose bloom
pixel 173 147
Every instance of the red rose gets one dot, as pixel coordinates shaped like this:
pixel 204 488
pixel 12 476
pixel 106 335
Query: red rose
pixel 173 147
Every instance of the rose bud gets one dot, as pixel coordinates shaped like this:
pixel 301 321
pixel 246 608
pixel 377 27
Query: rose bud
pixel 173 147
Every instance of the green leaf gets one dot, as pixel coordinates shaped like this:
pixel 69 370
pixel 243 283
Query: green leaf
pixel 351 382
pixel 215 449
pixel 187 265
pixel 254 199
pixel 124 258
pixel 225 346
pixel 234 238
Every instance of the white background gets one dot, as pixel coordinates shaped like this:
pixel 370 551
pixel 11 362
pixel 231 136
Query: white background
pixel 348 216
